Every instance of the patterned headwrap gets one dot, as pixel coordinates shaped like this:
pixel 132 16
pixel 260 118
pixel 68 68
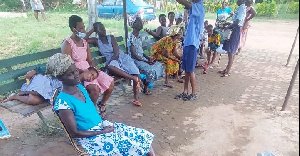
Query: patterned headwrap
pixel 175 29
pixel 178 15
pixel 132 19
pixel 58 64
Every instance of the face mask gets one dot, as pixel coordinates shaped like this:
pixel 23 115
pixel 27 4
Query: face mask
pixel 81 35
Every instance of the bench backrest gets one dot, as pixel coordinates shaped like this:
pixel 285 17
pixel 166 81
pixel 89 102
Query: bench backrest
pixel 12 70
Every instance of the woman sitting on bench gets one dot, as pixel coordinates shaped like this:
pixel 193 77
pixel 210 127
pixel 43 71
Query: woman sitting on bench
pixel 117 62
pixel 40 88
pixel 82 121
pixel 147 65
pixel 37 89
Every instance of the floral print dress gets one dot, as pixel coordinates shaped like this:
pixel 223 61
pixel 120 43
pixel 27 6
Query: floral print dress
pixel 123 141
pixel 157 52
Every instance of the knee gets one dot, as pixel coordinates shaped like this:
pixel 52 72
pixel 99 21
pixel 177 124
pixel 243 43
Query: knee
pixel 112 86
pixel 93 90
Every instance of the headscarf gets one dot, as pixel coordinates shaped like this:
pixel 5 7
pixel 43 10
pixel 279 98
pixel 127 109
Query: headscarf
pixel 178 15
pixel 132 19
pixel 175 29
pixel 58 64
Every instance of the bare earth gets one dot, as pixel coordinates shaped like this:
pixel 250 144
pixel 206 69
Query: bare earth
pixel 235 116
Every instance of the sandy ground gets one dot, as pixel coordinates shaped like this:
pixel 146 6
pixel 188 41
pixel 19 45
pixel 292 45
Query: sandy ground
pixel 235 116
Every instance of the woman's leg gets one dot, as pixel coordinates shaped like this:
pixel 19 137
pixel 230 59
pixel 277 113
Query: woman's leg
pixel 43 14
pixel 208 53
pixel 118 72
pixel 230 62
pixel 107 93
pixel 145 89
pixel 94 92
pixel 28 99
pixel 136 86
pixel 36 15
pixel 151 153
pixel 213 58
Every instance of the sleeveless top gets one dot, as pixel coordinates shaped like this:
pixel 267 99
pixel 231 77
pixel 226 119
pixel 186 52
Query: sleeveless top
pixel 107 49
pixel 79 54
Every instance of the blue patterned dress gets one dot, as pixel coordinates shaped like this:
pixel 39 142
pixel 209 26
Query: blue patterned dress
pixel 123 141
pixel 152 72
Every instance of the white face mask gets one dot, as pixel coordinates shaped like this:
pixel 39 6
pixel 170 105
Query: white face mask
pixel 81 35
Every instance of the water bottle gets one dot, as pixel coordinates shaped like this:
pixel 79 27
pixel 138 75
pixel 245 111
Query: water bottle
pixel 150 85
pixel 142 76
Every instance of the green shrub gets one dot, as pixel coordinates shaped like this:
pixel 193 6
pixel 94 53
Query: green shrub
pixel 10 5
pixel 267 9
pixel 293 7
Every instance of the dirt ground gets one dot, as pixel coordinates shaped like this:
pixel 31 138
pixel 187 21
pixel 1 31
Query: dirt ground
pixel 234 116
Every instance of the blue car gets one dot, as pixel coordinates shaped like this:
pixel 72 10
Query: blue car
pixel 114 9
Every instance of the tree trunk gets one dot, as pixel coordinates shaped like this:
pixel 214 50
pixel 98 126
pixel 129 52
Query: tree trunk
pixel 92 13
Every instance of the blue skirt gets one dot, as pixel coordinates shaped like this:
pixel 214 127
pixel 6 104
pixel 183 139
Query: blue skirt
pixel 232 44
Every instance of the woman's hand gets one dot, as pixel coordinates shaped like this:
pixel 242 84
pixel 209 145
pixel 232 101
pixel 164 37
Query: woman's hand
pixel 147 30
pixel 108 129
pixel 30 74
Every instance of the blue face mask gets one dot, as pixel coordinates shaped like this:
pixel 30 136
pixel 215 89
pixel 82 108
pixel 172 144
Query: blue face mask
pixel 81 35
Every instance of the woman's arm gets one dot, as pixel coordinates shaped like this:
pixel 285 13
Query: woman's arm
pixel 252 14
pixel 155 34
pixel 174 51
pixel 235 23
pixel 89 33
pixel 115 50
pixel 68 119
pixel 166 54
pixel 134 55
pixel 185 3
pixel 89 57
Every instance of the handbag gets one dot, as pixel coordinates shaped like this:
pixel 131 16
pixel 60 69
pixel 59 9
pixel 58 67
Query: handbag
pixel 226 34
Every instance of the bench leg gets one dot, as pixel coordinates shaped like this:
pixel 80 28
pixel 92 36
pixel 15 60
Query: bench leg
pixel 123 87
pixel 41 116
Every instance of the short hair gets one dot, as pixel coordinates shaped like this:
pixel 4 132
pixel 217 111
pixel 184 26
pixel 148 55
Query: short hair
pixel 93 69
pixel 73 21
pixel 171 12
pixel 210 26
pixel 161 15
pixel 96 26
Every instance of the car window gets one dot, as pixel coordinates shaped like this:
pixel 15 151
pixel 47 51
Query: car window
pixel 109 2
pixel 119 2
pixel 138 2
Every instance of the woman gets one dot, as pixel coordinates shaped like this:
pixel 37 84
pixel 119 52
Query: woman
pixel 78 48
pixel 117 62
pixel 223 14
pixel 81 119
pixel 232 44
pixel 147 65
pixel 37 7
pixel 161 31
pixel 250 13
pixel 31 92
pixel 166 50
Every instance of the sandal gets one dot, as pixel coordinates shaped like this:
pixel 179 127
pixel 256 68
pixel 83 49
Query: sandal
pixel 180 96
pixel 190 97
pixel 168 85
pixel 222 72
pixel 147 92
pixel 225 75
pixel 102 109
pixel 137 103
pixel 180 81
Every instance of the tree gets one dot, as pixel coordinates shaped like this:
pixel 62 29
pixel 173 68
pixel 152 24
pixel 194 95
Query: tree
pixel 92 13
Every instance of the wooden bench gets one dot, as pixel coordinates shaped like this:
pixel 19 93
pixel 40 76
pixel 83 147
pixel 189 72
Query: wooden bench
pixel 12 71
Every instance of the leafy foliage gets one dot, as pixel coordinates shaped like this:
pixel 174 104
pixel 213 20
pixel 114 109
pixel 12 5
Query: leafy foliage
pixel 293 7
pixel 267 8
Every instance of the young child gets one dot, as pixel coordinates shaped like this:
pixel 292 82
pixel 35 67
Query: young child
pixel 214 39
pixel 161 31
pixel 33 94
pixel 171 17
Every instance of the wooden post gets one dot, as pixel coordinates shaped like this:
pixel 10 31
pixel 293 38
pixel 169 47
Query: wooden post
pixel 92 14
pixel 287 97
pixel 293 46
pixel 125 24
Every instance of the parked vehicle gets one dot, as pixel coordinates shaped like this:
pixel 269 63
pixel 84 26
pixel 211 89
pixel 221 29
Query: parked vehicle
pixel 114 9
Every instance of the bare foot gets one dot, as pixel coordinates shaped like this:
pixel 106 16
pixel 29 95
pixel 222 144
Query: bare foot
pixel 10 98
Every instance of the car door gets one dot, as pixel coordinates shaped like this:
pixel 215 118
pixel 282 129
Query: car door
pixel 106 9
pixel 118 9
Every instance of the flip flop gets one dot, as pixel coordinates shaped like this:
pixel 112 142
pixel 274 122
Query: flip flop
pixel 225 75
pixel 222 72
pixel 148 92
pixel 168 85
pixel 137 103
pixel 180 81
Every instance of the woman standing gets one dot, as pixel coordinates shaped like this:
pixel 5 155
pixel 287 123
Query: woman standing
pixel 232 44
pixel 37 7
pixel 147 65
pixel 250 13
